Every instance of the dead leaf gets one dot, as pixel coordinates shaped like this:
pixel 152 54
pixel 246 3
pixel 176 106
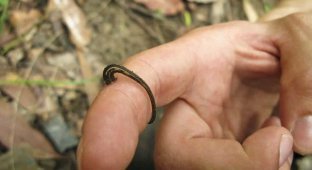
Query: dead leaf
pixel 22 21
pixel 74 19
pixel 250 11
pixel 15 56
pixel 22 160
pixel 27 98
pixel 80 34
pixel 66 60
pixel 4 66
pixel 91 88
pixel 218 11
pixel 24 134
pixel 6 36
pixel 167 7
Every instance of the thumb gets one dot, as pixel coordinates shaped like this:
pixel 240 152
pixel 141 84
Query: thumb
pixel 270 147
pixel 185 141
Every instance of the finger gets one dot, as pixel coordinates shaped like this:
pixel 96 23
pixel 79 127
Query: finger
pixel 294 35
pixel 123 108
pixel 276 143
pixel 275 121
pixel 272 121
pixel 287 164
pixel 287 7
pixel 185 141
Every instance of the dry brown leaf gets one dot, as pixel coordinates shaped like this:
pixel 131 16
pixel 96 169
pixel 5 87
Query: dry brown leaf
pixel 15 56
pixel 4 67
pixel 218 11
pixel 74 19
pixel 22 21
pixel 91 88
pixel 80 34
pixel 6 36
pixel 24 135
pixel 27 98
pixel 167 7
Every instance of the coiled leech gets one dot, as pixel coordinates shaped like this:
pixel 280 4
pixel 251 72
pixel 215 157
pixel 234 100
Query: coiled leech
pixel 108 76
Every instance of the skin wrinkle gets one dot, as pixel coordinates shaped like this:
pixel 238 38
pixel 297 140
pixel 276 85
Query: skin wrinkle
pixel 222 107
pixel 243 52
pixel 216 131
pixel 259 60
pixel 261 41
pixel 201 113
pixel 266 45
pixel 228 123
pixel 249 95
pixel 209 118
pixel 234 119
pixel 193 136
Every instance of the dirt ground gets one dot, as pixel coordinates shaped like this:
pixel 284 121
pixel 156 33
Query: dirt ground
pixel 49 75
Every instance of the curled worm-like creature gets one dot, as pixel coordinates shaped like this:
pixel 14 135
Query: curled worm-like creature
pixel 108 76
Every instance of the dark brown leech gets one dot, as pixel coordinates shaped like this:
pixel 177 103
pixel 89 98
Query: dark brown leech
pixel 108 76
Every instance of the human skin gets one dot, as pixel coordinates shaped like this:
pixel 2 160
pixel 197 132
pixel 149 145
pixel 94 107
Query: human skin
pixel 221 84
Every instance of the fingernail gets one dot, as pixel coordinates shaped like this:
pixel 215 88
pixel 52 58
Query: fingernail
pixel 302 133
pixel 285 149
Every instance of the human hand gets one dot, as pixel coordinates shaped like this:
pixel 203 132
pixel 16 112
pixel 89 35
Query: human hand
pixel 222 83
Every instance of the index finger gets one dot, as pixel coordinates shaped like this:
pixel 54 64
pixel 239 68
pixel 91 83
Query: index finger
pixel 122 109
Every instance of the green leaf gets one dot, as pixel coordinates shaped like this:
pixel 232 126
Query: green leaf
pixel 267 7
pixel 3 12
pixel 187 18
pixel 4 2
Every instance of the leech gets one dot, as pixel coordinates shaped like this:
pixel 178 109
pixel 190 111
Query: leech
pixel 108 76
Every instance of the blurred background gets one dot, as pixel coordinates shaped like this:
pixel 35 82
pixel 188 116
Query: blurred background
pixel 52 54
